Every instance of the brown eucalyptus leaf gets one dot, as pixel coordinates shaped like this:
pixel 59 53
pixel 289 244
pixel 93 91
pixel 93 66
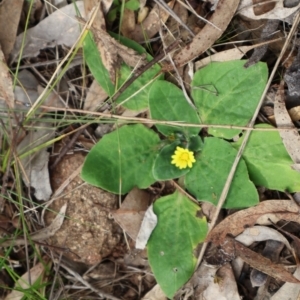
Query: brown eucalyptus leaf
pixel 237 222
pixel 221 17
pixel 261 263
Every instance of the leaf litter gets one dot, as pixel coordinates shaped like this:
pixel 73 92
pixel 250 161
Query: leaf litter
pixel 75 236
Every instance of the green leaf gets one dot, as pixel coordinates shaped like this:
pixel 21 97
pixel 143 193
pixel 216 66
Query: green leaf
pixel 207 178
pixel 167 103
pixel 195 143
pixel 135 97
pixel 94 62
pixel 122 159
pixel 132 4
pixel 162 168
pixel 226 93
pixel 171 245
pixel 268 162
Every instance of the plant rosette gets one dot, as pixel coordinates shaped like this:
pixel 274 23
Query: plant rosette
pixel 136 156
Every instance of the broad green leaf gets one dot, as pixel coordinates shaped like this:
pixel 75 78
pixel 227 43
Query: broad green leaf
pixel 132 4
pixel 171 245
pixel 162 168
pixel 135 97
pixel 94 62
pixel 207 178
pixel 226 93
pixel 167 103
pixel 122 159
pixel 268 162
pixel 195 143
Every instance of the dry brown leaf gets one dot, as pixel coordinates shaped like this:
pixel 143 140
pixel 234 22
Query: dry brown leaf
pixel 237 222
pixel 60 28
pixel 278 12
pixel 208 35
pixel 131 213
pixel 151 25
pixel 10 12
pixel 290 137
pixel 95 97
pixel 289 290
pixel 261 263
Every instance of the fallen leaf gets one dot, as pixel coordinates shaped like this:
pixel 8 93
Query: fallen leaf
pixel 95 97
pixel 261 263
pixel 131 213
pixel 289 290
pixel 261 233
pixel 271 251
pixel 10 12
pixel 35 165
pixel 237 222
pixel 290 137
pixel 148 224
pixel 278 12
pixel 223 286
pixel 209 34
pixel 60 28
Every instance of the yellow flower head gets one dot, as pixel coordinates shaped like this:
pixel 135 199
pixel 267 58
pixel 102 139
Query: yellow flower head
pixel 183 158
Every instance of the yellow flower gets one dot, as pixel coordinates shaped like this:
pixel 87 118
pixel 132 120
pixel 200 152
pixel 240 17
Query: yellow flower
pixel 183 158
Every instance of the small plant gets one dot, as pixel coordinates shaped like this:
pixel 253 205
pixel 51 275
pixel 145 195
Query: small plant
pixel 136 156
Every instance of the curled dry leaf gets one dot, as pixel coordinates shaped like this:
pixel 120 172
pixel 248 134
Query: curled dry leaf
pixel 237 222
pixel 279 11
pixel 259 234
pixel 290 137
pixel 209 34
pixel 131 213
